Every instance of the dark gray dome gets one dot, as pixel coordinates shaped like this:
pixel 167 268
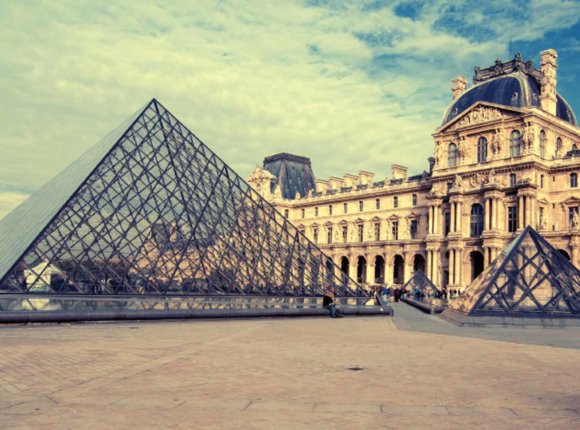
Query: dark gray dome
pixel 514 90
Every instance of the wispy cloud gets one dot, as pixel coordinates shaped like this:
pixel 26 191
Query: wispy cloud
pixel 353 85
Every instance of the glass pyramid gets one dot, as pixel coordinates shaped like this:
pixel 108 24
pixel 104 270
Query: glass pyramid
pixel 151 211
pixel 420 283
pixel 529 278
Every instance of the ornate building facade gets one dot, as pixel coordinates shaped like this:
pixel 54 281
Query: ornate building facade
pixel 507 155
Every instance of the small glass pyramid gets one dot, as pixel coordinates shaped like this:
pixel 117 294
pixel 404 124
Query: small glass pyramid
pixel 529 278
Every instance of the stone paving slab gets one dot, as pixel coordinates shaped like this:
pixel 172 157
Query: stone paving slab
pixel 286 374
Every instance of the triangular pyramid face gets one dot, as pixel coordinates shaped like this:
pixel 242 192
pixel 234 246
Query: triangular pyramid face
pixel 419 282
pixel 153 211
pixel 530 277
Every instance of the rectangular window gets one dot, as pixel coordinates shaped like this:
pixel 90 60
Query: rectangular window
pixel 377 203
pixel 414 229
pixel 512 218
pixel 344 233
pixel 414 199
pixel 329 209
pixel 573 214
pixel 513 180
pixel 345 206
pixel 573 180
pixel 303 212
pixel 315 235
pixel 542 181
pixel 329 235
pixel 541 219
pixel 377 231
pixel 447 223
pixel 395 230
pixel 360 232
pixel 360 206
pixel 286 213
pixel 395 202
pixel 316 211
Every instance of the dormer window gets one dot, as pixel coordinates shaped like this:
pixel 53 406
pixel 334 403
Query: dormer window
pixel 558 146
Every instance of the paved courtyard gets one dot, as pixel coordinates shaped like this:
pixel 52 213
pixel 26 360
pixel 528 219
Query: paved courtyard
pixel 411 371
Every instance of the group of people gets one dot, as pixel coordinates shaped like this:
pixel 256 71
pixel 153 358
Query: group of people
pixel 451 294
pixel 390 294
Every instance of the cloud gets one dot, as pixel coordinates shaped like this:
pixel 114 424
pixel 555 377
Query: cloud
pixel 353 85
pixel 9 201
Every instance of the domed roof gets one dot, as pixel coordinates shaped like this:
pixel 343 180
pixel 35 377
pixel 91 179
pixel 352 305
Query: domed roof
pixel 517 89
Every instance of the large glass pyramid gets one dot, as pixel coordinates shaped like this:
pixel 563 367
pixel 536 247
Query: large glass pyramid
pixel 529 278
pixel 151 211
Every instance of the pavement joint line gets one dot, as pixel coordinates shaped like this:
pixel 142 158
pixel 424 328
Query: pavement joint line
pixel 124 373
pixel 248 405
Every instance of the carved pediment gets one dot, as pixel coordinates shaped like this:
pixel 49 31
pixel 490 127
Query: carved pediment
pixel 480 113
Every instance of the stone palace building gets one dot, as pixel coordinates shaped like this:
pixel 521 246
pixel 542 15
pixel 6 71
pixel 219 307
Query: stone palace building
pixel 506 156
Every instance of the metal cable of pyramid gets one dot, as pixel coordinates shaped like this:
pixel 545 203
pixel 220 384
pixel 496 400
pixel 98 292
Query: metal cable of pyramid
pixel 149 212
pixel 529 279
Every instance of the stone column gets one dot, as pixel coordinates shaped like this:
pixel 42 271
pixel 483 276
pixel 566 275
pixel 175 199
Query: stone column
pixel 430 220
pixel 435 275
pixel 533 212
pixel 574 254
pixel 520 212
pixel 370 271
pixel 428 268
pixel 458 270
pixel 452 217
pixel 389 269
pixel 495 214
pixel 352 266
pixel 452 266
pixel 458 204
pixel 408 259
pixel 486 214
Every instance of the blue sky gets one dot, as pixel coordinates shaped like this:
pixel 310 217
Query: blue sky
pixel 354 85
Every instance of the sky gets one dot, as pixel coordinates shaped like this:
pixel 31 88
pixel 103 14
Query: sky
pixel 353 85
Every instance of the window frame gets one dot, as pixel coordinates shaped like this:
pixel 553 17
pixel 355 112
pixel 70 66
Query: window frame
pixel 515 143
pixel 482 150
pixel 476 220
pixel 452 155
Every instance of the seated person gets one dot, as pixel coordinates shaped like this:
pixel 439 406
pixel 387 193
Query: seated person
pixel 328 303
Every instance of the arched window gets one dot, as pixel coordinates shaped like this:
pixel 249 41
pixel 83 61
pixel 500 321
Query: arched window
pixel 476 220
pixel 452 155
pixel 558 146
pixel 542 143
pixel 515 144
pixel 482 150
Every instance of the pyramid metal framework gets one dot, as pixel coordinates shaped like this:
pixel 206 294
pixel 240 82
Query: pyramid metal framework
pixel 419 281
pixel 150 210
pixel 529 278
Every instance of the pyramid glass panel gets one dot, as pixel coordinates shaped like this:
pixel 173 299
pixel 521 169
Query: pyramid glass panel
pixel 151 211
pixel 420 286
pixel 529 278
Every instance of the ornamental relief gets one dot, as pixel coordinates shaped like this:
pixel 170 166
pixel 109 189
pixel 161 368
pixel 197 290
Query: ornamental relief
pixel 480 115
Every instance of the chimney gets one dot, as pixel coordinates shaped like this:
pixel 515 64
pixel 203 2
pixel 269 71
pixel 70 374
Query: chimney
pixel 548 68
pixel 458 85
pixel 398 171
